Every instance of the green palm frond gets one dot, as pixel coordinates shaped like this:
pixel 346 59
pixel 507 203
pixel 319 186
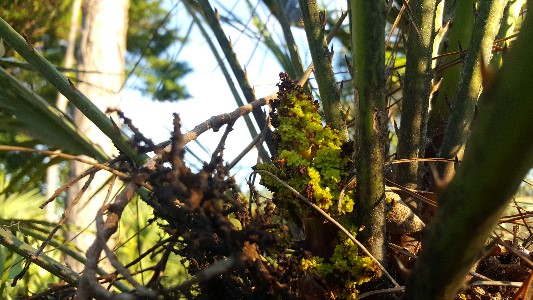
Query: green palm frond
pixel 64 86
pixel 23 205
pixel 34 116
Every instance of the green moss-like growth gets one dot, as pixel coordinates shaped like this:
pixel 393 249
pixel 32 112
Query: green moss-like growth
pixel 344 271
pixel 311 157
pixel 314 160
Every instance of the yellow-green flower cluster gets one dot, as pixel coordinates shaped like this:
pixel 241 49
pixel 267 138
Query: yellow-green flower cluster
pixel 345 268
pixel 313 159
pixel 346 260
pixel 317 266
pixel 309 153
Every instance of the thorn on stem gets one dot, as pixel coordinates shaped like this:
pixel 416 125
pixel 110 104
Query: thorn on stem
pixel 71 84
pixel 28 42
pixel 440 182
pixel 488 74
pixel 115 126
pixel 323 20
pixel 349 65
pixel 462 53
pixel 435 86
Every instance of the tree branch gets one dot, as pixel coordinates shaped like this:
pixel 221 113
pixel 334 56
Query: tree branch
pixel 314 23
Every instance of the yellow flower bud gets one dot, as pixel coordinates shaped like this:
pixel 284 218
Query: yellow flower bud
pixel 309 153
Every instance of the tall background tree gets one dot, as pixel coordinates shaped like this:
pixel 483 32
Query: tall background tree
pixel 102 58
pixel 55 31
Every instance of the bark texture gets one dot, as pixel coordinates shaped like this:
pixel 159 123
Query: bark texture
pixel 102 49
pixel 416 90
pixel 368 44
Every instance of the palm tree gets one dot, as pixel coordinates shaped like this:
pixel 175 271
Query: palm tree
pixel 237 248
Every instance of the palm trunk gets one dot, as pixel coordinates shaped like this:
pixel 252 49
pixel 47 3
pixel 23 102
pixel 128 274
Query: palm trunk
pixel 469 88
pixel 478 194
pixel 416 91
pixel 368 46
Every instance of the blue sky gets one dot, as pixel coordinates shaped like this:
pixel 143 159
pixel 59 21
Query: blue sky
pixel 210 93
pixel 209 90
